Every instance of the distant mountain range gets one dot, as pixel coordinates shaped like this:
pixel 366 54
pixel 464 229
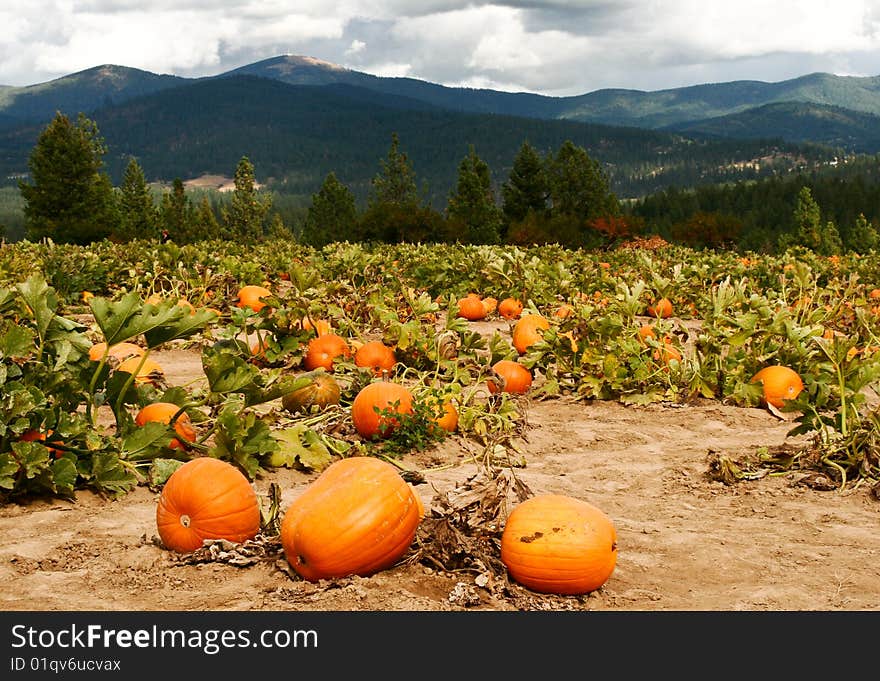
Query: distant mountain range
pixel 297 118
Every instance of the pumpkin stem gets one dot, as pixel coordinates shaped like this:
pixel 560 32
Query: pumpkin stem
pixel 185 520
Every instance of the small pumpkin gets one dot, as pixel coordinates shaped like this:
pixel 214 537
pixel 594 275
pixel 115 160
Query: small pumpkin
pixel 509 376
pixel 490 304
pixel 445 415
pixel 779 383
pixel 322 391
pixel 206 498
pixel 471 308
pixel 510 308
pixel 35 435
pixel 251 295
pixel 163 412
pixel 375 356
pixel 359 516
pixel 528 331
pixel 323 350
pixel 554 543
pixel 375 398
pixel 662 308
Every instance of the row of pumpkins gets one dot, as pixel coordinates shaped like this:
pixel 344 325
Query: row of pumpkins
pixel 359 516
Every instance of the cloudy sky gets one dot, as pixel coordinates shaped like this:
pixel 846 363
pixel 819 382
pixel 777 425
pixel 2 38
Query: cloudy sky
pixel 554 47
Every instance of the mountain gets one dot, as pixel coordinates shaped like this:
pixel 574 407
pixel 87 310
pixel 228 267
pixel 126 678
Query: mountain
pixel 833 126
pixel 296 134
pixel 82 91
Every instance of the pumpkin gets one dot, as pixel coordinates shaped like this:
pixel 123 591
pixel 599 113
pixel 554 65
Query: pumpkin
pixel 359 516
pixel 34 435
pixel 206 498
pixel 661 308
pixel 553 543
pixel 646 331
pixel 374 398
pixel 528 330
pixel 319 326
pixel 322 350
pixel 322 391
pixel 779 383
pixel 509 376
pixel 149 372
pixel 510 308
pixel 250 296
pixel 118 351
pixel 563 311
pixel 445 415
pixel 490 304
pixel 162 412
pixel 375 356
pixel 667 353
pixel 471 308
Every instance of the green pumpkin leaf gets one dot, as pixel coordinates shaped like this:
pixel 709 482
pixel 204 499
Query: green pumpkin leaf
pixel 299 445
pixel 41 301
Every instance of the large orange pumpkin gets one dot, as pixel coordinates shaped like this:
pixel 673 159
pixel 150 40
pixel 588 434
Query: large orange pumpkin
pixel 162 413
pixel 510 308
pixel 250 295
pixel 779 383
pixel 509 376
pixel 528 331
pixel 377 397
pixel 150 371
pixel 553 543
pixel 375 356
pixel 322 350
pixel 322 391
pixel 206 498
pixel 118 351
pixel 471 307
pixel 357 518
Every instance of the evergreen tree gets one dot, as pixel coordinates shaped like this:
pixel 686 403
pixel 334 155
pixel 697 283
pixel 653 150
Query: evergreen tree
pixel 807 223
pixel 71 198
pixel 332 215
pixel 578 186
pixel 471 205
pixel 395 184
pixel 246 215
pixel 137 212
pixel 863 237
pixel 176 213
pixel 526 188
pixel 205 224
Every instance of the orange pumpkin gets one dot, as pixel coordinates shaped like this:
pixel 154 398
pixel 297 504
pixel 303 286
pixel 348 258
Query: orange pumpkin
pixel 490 304
pixel 509 376
pixel 646 331
pixel 374 398
pixel 445 415
pixel 319 326
pixel 322 350
pixel 510 308
pixel 150 372
pixel 780 383
pixel 667 353
pixel 375 356
pixel 34 435
pixel 162 412
pixel 528 330
pixel 553 543
pixel 661 308
pixel 118 351
pixel 322 391
pixel 206 498
pixel 471 308
pixel 250 296
pixel 357 518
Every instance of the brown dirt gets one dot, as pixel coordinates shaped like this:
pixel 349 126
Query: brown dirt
pixel 685 541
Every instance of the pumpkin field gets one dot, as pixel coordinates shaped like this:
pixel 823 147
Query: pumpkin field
pixel 437 427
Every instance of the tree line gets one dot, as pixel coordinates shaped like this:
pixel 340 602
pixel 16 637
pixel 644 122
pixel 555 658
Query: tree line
pixel 562 196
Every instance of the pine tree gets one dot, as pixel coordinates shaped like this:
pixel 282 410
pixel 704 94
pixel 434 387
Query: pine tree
pixel 246 215
pixel 396 182
pixel 205 224
pixel 332 215
pixel 71 198
pixel 807 223
pixel 137 212
pixel 578 186
pixel 176 213
pixel 526 188
pixel 472 205
pixel 863 237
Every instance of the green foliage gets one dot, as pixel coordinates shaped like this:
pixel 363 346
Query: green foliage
pixel 332 215
pixel 137 212
pixel 245 217
pixel 526 189
pixel 70 198
pixel 472 204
